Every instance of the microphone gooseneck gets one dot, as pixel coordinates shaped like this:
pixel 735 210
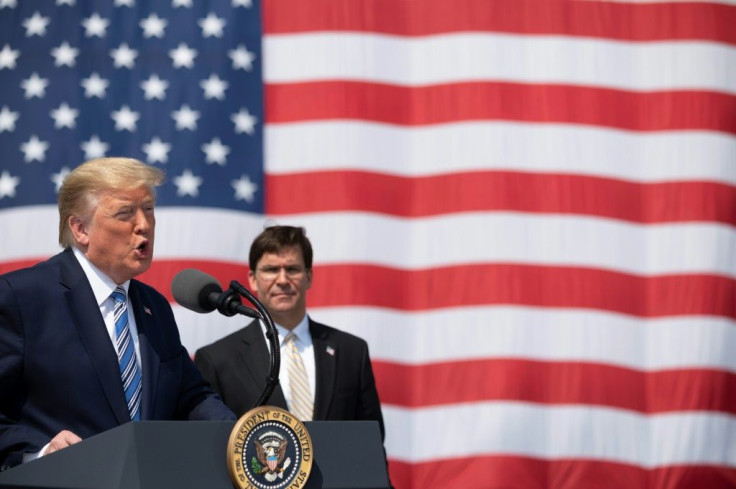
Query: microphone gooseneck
pixel 273 338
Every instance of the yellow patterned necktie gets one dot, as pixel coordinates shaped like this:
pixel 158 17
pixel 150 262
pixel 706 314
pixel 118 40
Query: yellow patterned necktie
pixel 301 404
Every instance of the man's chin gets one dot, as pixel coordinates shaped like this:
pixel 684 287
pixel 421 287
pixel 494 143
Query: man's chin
pixel 140 267
pixel 281 306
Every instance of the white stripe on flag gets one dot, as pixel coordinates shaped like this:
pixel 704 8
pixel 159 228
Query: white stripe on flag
pixel 473 146
pixel 447 58
pixel 559 432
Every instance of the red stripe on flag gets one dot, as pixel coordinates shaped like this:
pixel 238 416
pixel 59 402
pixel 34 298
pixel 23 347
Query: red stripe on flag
pixel 528 285
pixel 620 21
pixel 436 104
pixel 531 285
pixel 509 472
pixel 162 272
pixel 494 379
pixel 501 190
pixel 9 266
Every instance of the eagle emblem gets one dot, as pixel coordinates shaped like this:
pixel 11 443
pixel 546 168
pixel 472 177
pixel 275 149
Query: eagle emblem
pixel 270 460
pixel 269 449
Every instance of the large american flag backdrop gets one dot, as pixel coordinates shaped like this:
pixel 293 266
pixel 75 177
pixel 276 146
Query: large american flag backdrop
pixel 527 208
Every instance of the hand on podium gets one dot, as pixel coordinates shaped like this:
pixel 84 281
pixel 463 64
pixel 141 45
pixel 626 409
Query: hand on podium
pixel 63 439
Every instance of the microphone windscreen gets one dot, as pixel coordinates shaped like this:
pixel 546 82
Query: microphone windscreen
pixel 192 288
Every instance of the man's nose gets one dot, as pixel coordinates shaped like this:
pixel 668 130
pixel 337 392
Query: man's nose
pixel 142 221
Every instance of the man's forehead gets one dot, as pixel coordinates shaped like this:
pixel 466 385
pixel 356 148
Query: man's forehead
pixel 290 254
pixel 127 195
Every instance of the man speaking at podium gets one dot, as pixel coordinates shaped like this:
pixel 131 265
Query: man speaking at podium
pixel 325 374
pixel 84 347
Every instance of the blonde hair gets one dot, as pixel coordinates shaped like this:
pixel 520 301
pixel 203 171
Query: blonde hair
pixel 82 187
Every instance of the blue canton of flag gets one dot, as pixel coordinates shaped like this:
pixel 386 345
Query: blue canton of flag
pixel 176 84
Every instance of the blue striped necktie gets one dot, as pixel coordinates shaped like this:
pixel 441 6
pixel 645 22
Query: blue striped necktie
pixel 129 371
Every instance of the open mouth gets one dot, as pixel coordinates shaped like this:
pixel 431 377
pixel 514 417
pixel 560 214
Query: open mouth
pixel 143 247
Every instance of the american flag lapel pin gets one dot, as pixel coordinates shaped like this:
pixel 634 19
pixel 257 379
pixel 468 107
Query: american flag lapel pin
pixel 330 351
pixel 147 310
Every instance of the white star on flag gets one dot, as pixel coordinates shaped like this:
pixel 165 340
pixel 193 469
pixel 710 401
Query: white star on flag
pixel 34 149
pixel 187 184
pixel 244 188
pixel 244 122
pixel 185 118
pixel 94 86
pixel 242 58
pixel 214 87
pixel 153 26
pixel 65 55
pixel 8 57
pixel 94 148
pixel 8 184
pixel 7 119
pixel 64 116
pixel 154 88
pixel 157 151
pixel 212 25
pixel 183 56
pixel 95 26
pixel 35 86
pixel 124 56
pixel 216 152
pixel 125 119
pixel 36 25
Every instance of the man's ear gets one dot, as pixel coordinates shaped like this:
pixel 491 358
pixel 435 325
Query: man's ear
pixel 79 230
pixel 308 279
pixel 252 280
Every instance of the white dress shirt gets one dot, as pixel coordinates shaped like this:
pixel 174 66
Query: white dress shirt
pixel 102 287
pixel 306 350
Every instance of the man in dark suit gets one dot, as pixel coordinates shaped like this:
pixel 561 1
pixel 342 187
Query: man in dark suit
pixel 341 385
pixel 84 347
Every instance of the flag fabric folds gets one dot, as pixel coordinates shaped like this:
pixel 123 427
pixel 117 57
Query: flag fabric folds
pixel 527 208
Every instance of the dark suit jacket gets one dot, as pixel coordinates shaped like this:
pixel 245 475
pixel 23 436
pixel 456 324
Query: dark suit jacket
pixel 59 369
pixel 237 367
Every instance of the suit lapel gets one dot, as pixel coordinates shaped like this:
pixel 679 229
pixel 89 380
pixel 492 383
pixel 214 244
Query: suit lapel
pixel 325 362
pixel 84 313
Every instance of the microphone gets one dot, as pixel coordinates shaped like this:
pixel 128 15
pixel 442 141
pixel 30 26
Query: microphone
pixel 201 293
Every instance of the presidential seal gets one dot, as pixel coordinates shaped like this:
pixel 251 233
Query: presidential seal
pixel 269 449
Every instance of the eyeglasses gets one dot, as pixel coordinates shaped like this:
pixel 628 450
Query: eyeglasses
pixel 270 273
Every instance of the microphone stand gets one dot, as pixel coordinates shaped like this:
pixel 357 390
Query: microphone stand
pixel 273 375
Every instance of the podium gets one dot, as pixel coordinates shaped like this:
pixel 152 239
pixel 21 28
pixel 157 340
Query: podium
pixel 193 454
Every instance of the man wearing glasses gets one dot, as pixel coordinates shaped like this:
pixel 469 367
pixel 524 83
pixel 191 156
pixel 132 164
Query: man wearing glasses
pixel 325 374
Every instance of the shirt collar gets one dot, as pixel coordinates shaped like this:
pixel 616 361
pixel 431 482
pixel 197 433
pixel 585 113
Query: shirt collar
pixel 102 285
pixel 301 331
